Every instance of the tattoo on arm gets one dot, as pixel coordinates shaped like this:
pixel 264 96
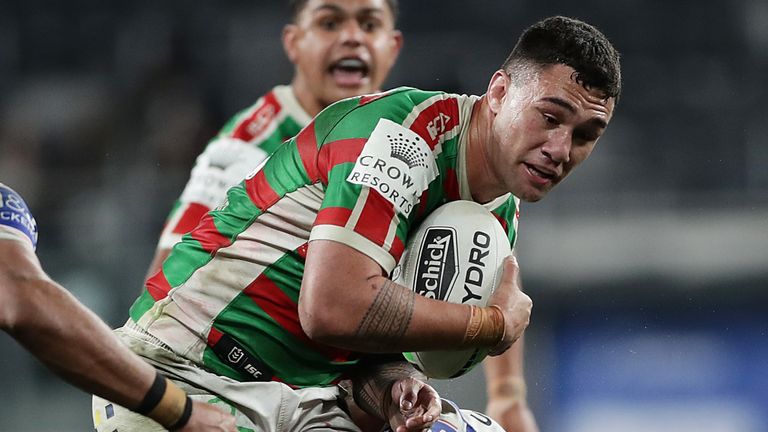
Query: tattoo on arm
pixel 388 317
pixel 372 387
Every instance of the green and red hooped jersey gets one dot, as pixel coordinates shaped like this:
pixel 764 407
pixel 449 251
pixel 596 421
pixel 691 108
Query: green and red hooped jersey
pixel 240 146
pixel 365 172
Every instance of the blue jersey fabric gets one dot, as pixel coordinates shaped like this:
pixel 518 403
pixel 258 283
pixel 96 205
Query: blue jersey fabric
pixel 14 213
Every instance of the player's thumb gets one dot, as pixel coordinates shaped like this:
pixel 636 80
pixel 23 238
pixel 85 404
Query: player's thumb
pixel 510 270
pixel 510 273
pixel 408 398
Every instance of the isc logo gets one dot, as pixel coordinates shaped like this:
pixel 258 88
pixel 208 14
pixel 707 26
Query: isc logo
pixel 436 269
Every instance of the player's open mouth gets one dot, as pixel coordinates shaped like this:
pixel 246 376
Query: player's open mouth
pixel 349 72
pixel 539 175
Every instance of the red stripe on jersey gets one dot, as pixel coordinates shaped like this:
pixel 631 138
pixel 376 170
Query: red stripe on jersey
pixel 306 144
pixel 272 300
pixel 214 336
pixel 437 119
pixel 255 124
pixel 190 218
pixel 260 191
pixel 502 221
pixel 423 203
pixel 158 286
pixel 375 218
pixel 451 185
pixel 336 152
pixel 397 248
pixel 333 216
pixel 302 250
pixel 209 236
pixel 372 97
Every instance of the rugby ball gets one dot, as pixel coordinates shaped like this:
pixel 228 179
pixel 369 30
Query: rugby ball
pixel 455 255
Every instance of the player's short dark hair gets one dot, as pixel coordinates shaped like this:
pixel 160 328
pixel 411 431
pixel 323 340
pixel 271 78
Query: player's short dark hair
pixel 574 43
pixel 298 5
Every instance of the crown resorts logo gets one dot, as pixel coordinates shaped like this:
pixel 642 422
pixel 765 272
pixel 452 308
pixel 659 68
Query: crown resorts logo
pixel 404 149
pixel 397 163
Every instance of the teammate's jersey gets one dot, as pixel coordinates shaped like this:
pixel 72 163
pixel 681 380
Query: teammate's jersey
pixel 241 145
pixel 16 221
pixel 365 173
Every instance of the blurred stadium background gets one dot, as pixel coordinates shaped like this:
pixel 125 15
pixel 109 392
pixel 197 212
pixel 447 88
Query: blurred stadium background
pixel 648 267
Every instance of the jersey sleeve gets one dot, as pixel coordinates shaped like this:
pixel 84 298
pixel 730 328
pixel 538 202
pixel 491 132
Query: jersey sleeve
pixel 16 221
pixel 375 174
pixel 227 158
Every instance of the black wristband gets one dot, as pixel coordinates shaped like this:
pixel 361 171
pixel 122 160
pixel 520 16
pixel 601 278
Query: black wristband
pixel 153 396
pixel 184 419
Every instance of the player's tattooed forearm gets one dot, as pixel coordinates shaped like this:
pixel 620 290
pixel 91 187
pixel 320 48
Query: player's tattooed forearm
pixel 388 317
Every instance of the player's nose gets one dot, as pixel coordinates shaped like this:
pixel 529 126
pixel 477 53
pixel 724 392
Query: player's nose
pixel 558 146
pixel 351 33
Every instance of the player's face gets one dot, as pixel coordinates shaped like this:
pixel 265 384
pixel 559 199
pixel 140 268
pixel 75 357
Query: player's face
pixel 543 128
pixel 341 48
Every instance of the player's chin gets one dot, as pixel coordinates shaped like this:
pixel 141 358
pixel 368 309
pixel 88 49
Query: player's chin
pixel 533 191
pixel 344 90
pixel 532 194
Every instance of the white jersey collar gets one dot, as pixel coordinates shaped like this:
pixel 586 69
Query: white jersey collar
pixel 287 99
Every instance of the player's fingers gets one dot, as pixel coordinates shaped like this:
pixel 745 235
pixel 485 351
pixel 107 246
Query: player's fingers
pixel 428 407
pixel 433 407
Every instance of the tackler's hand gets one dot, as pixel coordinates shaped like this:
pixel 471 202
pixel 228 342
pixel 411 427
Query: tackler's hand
pixel 414 406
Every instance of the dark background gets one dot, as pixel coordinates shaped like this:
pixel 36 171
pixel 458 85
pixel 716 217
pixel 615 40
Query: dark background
pixel 648 267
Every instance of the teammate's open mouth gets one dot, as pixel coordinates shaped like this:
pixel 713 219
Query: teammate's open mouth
pixel 349 71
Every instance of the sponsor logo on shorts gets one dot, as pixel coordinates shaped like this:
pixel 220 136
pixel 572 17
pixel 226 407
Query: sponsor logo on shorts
pixel 397 163
pixel 436 269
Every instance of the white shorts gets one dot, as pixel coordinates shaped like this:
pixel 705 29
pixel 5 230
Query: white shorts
pixel 257 406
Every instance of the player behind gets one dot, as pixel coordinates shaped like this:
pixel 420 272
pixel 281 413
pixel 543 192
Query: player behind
pixel 339 49
pixel 73 342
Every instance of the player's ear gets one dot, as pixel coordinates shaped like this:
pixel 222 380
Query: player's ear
pixel 397 39
pixel 290 36
pixel 396 44
pixel 497 90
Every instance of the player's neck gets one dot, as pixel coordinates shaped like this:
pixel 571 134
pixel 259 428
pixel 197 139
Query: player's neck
pixel 479 168
pixel 307 100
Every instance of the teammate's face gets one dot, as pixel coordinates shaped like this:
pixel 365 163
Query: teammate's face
pixel 341 48
pixel 542 129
